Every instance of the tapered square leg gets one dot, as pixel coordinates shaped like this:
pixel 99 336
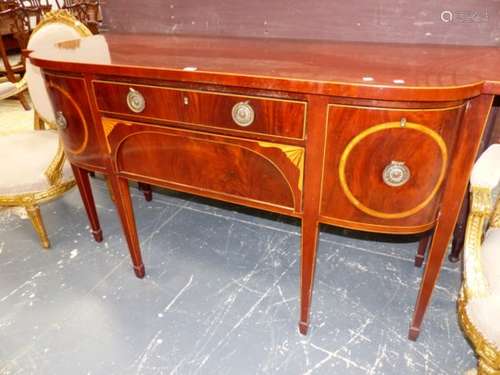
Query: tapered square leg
pixel 309 244
pixel 146 190
pixel 83 183
pixel 468 143
pixel 124 205
pixel 422 249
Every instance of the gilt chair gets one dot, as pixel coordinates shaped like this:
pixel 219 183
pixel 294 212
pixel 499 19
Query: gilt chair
pixel 36 171
pixel 479 301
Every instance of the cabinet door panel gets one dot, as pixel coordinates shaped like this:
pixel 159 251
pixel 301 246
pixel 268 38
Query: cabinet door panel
pixel 386 167
pixel 82 140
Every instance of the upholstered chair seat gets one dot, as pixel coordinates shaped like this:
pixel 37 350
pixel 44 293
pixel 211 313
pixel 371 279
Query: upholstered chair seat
pixel 479 302
pixel 484 313
pixel 33 166
pixel 27 156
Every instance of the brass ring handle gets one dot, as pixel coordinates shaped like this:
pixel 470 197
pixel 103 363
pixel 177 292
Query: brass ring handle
pixel 243 114
pixel 396 174
pixel 135 101
pixel 61 122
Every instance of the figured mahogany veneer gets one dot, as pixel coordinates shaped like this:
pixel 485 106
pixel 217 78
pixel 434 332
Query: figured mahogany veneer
pixel 279 117
pixel 370 138
pixel 375 137
pixel 227 168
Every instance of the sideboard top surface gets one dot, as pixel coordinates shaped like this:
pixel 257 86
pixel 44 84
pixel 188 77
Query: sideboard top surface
pixel 320 67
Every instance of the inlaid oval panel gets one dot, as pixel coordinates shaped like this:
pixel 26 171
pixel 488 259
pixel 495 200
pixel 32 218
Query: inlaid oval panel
pixel 384 168
pixel 415 177
pixel 81 139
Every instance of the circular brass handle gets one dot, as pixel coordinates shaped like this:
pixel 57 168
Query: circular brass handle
pixel 396 174
pixel 61 122
pixel 243 114
pixel 135 101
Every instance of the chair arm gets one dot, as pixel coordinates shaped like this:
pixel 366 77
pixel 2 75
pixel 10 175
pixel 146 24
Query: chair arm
pixel 485 183
pixel 54 171
pixel 15 88
pixel 486 175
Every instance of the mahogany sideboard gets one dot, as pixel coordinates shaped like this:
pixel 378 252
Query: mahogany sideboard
pixel 366 136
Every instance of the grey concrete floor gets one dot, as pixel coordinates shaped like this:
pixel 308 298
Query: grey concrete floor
pixel 220 297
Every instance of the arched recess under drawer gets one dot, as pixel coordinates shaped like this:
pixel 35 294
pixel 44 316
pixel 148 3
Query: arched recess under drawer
pixel 250 172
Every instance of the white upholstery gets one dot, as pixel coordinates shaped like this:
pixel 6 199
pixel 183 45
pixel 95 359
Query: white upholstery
pixel 25 157
pixel 7 89
pixel 14 61
pixel 484 313
pixel 49 34
pixel 486 172
pixel 490 260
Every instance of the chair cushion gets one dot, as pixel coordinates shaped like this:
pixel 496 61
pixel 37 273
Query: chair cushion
pixel 484 313
pixel 486 172
pixel 25 157
pixel 47 35
pixel 490 259
pixel 7 89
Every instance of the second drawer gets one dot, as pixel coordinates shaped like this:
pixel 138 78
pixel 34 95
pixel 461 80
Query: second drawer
pixel 277 117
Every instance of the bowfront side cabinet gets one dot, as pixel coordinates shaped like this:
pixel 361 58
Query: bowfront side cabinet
pixel 354 159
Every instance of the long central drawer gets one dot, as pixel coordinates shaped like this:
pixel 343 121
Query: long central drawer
pixel 249 114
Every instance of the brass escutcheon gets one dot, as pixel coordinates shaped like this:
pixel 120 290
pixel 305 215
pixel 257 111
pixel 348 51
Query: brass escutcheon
pixel 61 121
pixel 396 174
pixel 135 101
pixel 243 114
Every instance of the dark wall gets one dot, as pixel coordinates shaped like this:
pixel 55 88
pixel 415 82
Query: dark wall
pixel 417 21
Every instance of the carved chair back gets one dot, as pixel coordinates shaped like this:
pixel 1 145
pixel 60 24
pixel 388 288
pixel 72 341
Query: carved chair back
pixel 87 12
pixel 14 22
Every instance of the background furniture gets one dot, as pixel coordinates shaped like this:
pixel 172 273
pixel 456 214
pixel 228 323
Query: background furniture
pixel 295 133
pixel 14 22
pixel 87 12
pixel 479 302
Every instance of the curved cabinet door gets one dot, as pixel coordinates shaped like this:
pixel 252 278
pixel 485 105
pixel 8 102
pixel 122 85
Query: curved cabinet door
pixel 259 174
pixel 81 138
pixel 384 168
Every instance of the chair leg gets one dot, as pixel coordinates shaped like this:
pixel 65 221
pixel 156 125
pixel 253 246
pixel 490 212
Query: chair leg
pixel 38 122
pixel 23 98
pixel 485 368
pixel 36 219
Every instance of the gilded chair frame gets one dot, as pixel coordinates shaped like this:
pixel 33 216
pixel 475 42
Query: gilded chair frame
pixel 485 211
pixel 54 172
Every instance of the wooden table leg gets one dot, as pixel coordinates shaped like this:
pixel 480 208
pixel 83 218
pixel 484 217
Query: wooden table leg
pixel 309 245
pixel 468 144
pixel 146 190
pixel 422 249
pixel 459 233
pixel 124 205
pixel 316 120
pixel 83 183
